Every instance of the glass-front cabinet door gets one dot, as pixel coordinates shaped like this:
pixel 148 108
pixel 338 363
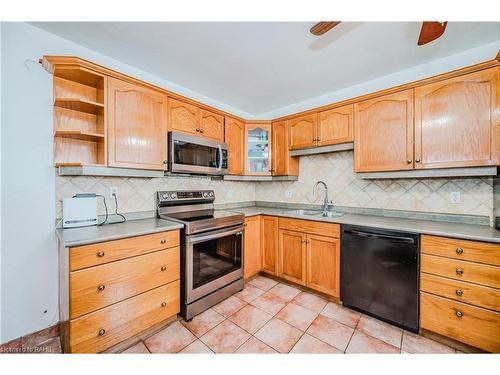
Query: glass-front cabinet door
pixel 258 149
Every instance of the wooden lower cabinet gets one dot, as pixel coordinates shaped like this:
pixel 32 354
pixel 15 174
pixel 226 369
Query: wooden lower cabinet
pixel 292 256
pixel 269 234
pixel 252 253
pixel 323 264
pixel 136 288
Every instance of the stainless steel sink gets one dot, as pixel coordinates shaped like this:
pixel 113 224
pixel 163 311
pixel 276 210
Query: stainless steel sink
pixel 328 214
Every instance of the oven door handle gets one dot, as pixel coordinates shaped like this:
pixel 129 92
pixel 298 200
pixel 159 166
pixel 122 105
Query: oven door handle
pixel 219 166
pixel 239 230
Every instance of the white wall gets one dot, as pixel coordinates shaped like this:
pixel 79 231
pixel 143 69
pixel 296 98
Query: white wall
pixel 29 255
pixel 465 58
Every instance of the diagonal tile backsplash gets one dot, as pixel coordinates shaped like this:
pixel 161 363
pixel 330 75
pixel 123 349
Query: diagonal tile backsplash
pixel 336 169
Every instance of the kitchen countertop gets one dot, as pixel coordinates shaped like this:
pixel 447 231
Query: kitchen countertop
pixel 71 237
pixel 436 228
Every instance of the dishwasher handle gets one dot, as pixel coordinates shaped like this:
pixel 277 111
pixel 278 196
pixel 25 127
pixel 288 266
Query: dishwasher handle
pixel 380 236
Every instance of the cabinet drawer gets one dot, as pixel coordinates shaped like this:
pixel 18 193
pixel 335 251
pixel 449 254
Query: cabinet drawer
pixel 104 328
pixel 478 295
pixel 469 324
pixel 482 252
pixel 460 270
pixel 105 252
pixel 308 226
pixel 97 287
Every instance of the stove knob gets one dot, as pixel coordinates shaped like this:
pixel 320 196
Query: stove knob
pixel 173 196
pixel 165 196
pixel 211 194
pixel 205 194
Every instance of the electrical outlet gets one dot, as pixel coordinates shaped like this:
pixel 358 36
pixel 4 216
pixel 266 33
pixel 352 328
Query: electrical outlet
pixel 455 197
pixel 288 193
pixel 113 191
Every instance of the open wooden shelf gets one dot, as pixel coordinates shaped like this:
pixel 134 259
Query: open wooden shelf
pixel 81 105
pixel 77 134
pixel 79 74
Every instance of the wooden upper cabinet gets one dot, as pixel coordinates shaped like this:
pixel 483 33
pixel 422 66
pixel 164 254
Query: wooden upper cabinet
pixel 282 163
pixel 235 139
pixel 323 264
pixel 303 131
pixel 383 133
pixel 292 256
pixel 258 146
pixel 183 117
pixel 269 234
pixel 252 250
pixel 456 121
pixel 212 125
pixel 137 126
pixel 335 126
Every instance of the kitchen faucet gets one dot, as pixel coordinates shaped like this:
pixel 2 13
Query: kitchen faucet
pixel 326 202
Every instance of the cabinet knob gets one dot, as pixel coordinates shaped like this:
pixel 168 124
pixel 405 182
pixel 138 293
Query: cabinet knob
pixel 163 268
pixel 101 287
pixel 163 304
pixel 197 129
pixel 201 131
pixel 459 313
pixel 102 331
pixel 163 241
pixel 459 292
pixel 459 250
pixel 165 161
pixel 409 161
pixel 318 139
pixel 417 160
pixel 459 271
pixel 100 254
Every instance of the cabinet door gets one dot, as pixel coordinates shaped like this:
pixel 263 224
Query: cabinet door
pixel 137 126
pixel 258 148
pixel 252 250
pixel 183 117
pixel 303 131
pixel 383 133
pixel 282 163
pixel 335 125
pixel 292 256
pixel 269 228
pixel 235 139
pixel 323 264
pixel 456 121
pixel 212 125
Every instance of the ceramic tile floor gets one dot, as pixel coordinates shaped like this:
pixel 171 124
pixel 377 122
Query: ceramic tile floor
pixel 270 317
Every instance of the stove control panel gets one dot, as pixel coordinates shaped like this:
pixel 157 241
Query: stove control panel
pixel 182 196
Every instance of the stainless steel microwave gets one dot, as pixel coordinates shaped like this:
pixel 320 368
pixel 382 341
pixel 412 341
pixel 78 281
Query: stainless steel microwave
pixel 196 155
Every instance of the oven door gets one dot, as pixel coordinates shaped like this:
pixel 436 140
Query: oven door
pixel 191 154
pixel 213 260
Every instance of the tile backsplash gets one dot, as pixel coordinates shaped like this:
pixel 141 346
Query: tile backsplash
pixel 336 169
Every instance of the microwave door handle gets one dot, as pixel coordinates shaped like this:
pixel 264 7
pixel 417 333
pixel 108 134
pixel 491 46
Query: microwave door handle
pixel 219 166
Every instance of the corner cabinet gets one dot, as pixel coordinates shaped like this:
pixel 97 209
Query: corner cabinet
pixel 269 235
pixel 252 261
pixel 235 140
pixel 258 148
pixel 282 163
pixel 137 126
pixel 383 133
pixel 457 120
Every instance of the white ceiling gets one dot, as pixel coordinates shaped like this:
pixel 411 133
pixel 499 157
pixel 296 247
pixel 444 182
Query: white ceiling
pixel 258 67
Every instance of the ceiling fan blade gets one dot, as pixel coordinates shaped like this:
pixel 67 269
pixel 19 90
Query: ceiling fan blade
pixel 430 31
pixel 322 27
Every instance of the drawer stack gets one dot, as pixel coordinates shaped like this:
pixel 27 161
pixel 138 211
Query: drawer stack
pixel 119 288
pixel 460 290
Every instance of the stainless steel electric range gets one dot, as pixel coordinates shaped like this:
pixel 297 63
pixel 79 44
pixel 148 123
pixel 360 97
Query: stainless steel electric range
pixel 211 248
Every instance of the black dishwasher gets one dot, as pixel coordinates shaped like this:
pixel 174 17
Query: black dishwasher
pixel 379 274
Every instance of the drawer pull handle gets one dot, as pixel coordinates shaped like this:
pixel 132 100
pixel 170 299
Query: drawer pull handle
pixel 163 241
pixel 459 314
pixel 459 292
pixel 459 250
pixel 101 287
pixel 163 304
pixel 163 268
pixel 100 254
pixel 459 271
pixel 102 331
